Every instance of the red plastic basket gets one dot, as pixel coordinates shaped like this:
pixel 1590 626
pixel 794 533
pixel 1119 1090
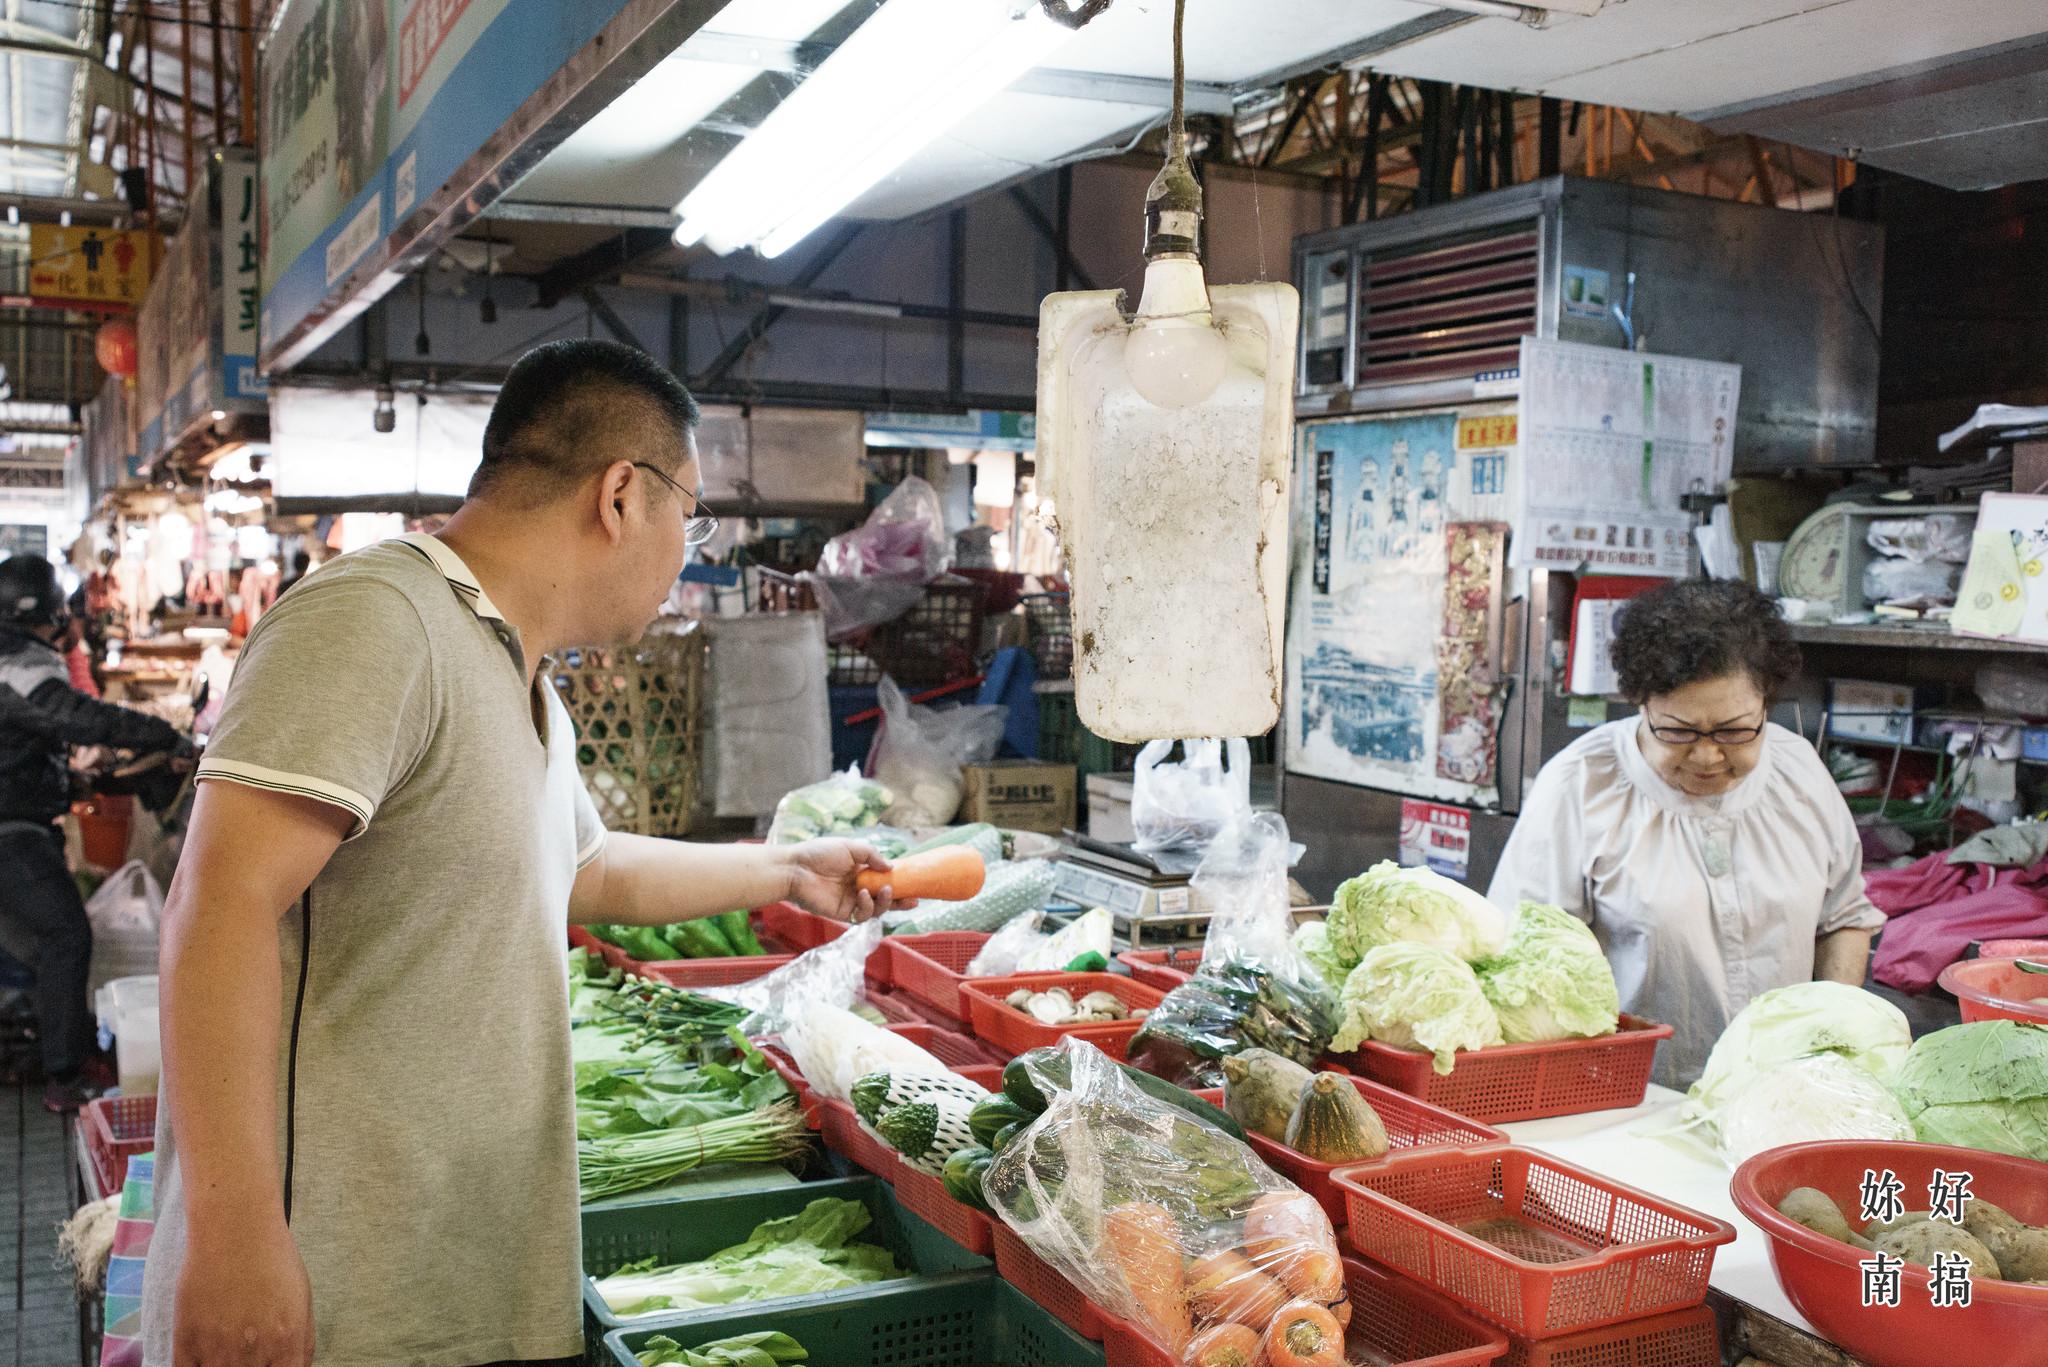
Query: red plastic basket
pixel 896 1009
pixel 843 1133
pixel 1538 1246
pixel 1823 1277
pixel 1997 989
pixel 117 1128
pixel 1013 1032
pixel 1053 1293
pixel 949 1047
pixel 1410 1125
pixel 1164 969
pixel 799 929
pixel 1393 1321
pixel 932 967
pixel 807 1101
pixel 1524 1081
pixel 1683 1338
pixel 913 1009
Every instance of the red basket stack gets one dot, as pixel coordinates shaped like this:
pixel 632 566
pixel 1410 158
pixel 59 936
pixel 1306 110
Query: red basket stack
pixel 1535 1245
pixel 1031 1274
pixel 1164 969
pixel 1410 1125
pixel 1009 1030
pixel 932 967
pixel 1682 1338
pixel 1524 1081
pixel 1393 1321
pixel 117 1128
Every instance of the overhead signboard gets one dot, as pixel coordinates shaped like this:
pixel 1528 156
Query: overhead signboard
pixel 372 107
pixel 198 325
pixel 88 265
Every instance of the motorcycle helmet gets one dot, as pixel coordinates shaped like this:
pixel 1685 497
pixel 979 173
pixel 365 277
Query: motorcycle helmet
pixel 29 593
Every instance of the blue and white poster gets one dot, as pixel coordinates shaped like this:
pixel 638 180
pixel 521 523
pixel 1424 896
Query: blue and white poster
pixel 1375 497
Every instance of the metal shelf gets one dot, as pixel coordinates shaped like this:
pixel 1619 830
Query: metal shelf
pixel 1906 638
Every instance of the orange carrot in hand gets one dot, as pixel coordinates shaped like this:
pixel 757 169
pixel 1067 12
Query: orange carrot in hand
pixel 1145 1242
pixel 951 873
pixel 1227 1345
pixel 1305 1335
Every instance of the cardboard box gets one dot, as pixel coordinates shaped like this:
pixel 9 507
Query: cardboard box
pixel 1022 794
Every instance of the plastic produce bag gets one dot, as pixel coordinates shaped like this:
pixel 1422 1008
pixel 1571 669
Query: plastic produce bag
pixel 129 902
pixel 1183 804
pixel 843 802
pixel 1165 1220
pixel 1911 583
pixel 1007 946
pixel 876 572
pixel 1023 947
pixel 922 750
pixel 834 974
pixel 1939 536
pixel 1011 890
pixel 1822 1096
pixel 1254 988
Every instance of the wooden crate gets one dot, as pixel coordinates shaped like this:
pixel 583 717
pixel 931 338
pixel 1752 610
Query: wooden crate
pixel 639 718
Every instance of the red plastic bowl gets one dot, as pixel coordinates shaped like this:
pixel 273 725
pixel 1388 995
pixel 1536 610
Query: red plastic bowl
pixel 1822 1278
pixel 1997 989
pixel 2013 949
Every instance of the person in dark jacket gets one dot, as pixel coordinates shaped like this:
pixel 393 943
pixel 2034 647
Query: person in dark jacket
pixel 41 717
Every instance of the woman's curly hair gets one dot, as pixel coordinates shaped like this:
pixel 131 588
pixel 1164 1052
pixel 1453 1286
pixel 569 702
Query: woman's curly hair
pixel 1693 629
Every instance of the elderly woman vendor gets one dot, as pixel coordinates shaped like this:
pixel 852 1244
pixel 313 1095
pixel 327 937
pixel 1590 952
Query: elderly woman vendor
pixel 1709 849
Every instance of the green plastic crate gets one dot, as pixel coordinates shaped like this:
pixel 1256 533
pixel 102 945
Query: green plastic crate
pixel 960 1321
pixel 681 1231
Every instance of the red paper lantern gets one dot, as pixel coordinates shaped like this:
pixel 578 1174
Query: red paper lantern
pixel 114 346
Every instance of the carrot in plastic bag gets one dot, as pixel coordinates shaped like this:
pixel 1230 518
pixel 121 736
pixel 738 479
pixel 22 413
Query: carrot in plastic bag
pixel 1287 1236
pixel 1224 1287
pixel 1305 1335
pixel 1226 1345
pixel 1146 1245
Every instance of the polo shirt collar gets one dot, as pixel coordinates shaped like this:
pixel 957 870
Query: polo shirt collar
pixel 456 573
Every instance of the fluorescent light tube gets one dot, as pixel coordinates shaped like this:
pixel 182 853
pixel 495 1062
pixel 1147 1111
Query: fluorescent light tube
pixel 905 77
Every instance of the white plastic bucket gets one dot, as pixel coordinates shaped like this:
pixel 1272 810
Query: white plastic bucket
pixel 127 1007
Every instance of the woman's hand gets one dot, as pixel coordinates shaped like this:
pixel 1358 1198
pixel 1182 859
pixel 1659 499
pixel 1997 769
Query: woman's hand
pixel 822 877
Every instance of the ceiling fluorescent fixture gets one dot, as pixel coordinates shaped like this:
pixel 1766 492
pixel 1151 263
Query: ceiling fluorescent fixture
pixel 905 78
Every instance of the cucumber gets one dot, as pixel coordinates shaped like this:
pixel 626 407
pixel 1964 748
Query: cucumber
pixel 1006 1134
pixel 1019 1087
pixel 994 1115
pixel 962 1176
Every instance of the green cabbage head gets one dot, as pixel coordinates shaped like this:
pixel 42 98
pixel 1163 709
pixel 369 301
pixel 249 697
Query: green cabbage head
pixel 1552 981
pixel 1416 996
pixel 1794 1022
pixel 1388 903
pixel 1312 942
pixel 1983 1085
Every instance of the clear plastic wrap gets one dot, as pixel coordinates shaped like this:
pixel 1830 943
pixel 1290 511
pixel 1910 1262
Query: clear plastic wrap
pixel 834 974
pixel 1823 1096
pixel 1183 804
pixel 1023 946
pixel 843 802
pixel 1255 989
pixel 1166 1221
pixel 922 751
pixel 999 957
pixel 877 572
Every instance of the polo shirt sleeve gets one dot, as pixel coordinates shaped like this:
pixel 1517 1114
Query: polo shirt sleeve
pixel 331 698
pixel 590 831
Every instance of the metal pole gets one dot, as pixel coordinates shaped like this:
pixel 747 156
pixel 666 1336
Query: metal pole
pixel 1549 137
pixel 956 299
pixel 1063 224
pixel 185 93
pixel 220 71
pixel 245 77
pixel 149 103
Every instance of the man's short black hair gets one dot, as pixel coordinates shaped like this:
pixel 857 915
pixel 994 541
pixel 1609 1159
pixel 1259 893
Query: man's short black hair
pixel 569 409
pixel 1694 629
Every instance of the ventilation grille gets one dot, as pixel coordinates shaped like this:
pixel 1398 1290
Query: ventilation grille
pixel 1447 312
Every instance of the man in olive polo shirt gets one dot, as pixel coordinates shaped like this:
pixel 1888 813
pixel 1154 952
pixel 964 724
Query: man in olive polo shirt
pixel 366 1147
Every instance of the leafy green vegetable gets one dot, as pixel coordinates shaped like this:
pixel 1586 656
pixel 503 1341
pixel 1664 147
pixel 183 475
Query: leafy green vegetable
pixel 797 1255
pixel 1312 942
pixel 615 1165
pixel 674 1092
pixel 1821 1096
pixel 1416 996
pixel 1552 981
pixel 745 1350
pixel 843 802
pixel 1795 1022
pixel 1983 1085
pixel 1231 1005
pixel 1388 904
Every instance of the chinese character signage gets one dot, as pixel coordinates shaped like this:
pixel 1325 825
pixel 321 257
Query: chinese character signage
pixel 88 265
pixel 369 107
pixel 240 276
pixel 1437 836
pixel 1881 1203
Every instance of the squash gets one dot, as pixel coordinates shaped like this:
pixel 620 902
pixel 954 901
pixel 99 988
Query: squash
pixel 1261 1090
pixel 1333 1124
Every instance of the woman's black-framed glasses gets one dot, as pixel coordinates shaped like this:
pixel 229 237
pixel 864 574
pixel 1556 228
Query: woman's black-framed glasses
pixel 700 526
pixel 1727 736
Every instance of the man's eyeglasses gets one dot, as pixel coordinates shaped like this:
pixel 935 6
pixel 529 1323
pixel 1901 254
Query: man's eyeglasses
pixel 1726 736
pixel 700 526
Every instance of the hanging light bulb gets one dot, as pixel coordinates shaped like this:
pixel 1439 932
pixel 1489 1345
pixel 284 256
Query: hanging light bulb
pixel 1174 354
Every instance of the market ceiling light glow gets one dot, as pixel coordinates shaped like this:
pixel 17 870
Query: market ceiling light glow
pixel 912 72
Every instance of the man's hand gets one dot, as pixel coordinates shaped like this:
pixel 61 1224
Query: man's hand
pixel 247 1303
pixel 821 879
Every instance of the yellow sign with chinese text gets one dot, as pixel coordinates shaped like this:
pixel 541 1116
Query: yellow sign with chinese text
pixel 88 264
pixel 1486 433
